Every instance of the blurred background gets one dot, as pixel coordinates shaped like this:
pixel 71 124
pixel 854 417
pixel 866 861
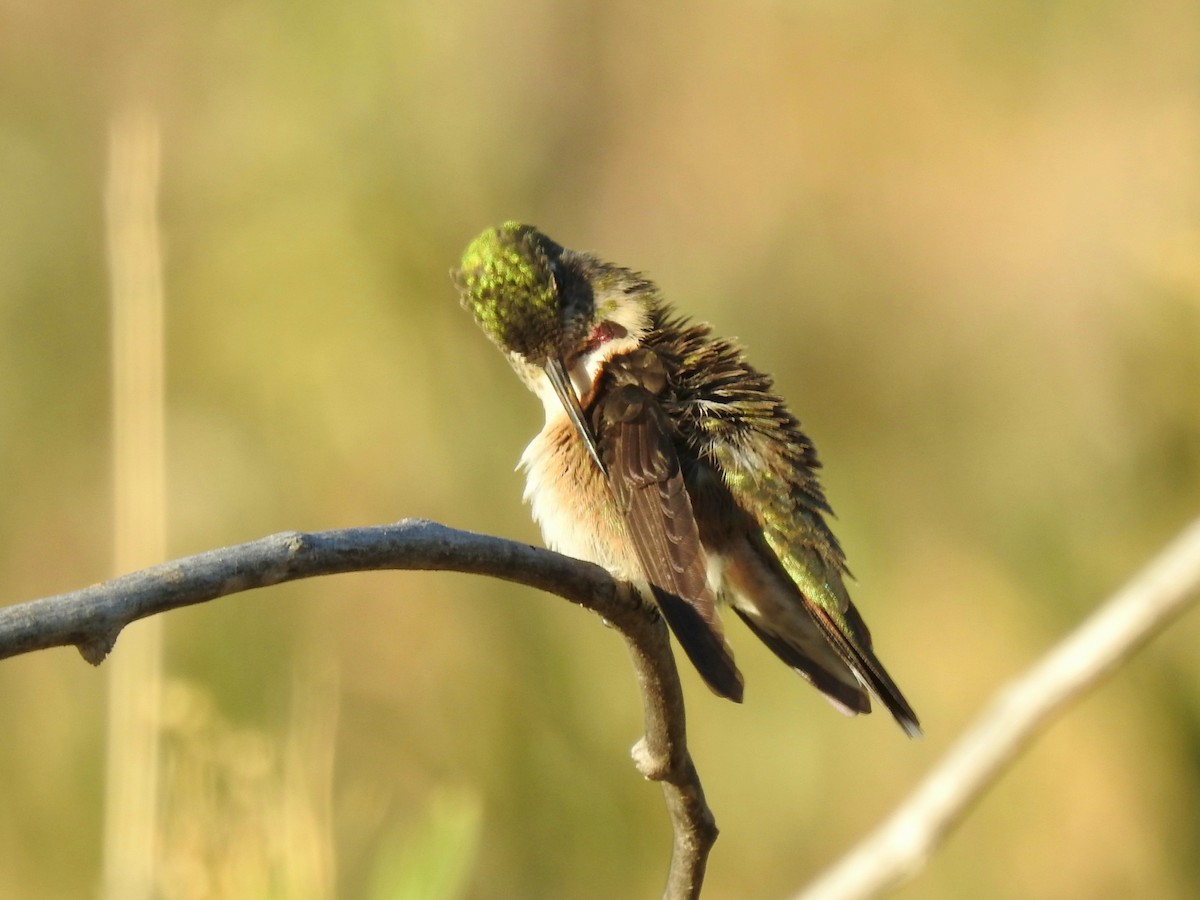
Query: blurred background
pixel 965 238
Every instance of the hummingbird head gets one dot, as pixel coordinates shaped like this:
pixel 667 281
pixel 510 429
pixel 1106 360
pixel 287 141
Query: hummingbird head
pixel 509 281
pixel 558 315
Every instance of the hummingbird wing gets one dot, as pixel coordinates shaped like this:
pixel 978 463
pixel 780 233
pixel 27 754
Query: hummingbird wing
pixel 783 563
pixel 635 440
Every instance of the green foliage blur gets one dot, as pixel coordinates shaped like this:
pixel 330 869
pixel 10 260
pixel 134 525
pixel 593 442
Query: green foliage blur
pixel 965 238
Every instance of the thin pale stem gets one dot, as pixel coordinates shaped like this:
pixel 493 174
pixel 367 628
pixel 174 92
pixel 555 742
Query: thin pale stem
pixel 900 847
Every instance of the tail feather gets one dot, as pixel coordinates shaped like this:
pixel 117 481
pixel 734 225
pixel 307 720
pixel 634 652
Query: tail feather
pixel 847 697
pixel 867 667
pixel 833 653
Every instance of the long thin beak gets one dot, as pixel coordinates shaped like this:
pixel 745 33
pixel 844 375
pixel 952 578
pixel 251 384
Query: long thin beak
pixel 566 393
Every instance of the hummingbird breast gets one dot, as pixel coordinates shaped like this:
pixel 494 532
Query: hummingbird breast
pixel 571 501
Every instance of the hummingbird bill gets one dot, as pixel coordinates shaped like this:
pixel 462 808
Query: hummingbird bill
pixel 670 461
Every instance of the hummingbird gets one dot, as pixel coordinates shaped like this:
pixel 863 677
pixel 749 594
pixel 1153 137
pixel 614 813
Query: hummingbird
pixel 670 461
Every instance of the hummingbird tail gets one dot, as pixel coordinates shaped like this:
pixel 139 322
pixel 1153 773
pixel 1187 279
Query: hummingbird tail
pixel 867 667
pixel 834 655
pixel 847 697
pixel 704 646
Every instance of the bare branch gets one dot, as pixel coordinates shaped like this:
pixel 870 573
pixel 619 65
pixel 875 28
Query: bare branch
pixel 91 619
pixel 899 848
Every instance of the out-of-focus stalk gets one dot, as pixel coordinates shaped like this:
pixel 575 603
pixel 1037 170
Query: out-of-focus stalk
pixel 139 509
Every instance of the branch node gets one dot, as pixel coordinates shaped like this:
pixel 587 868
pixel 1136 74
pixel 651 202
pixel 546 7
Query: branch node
pixel 653 766
pixel 95 649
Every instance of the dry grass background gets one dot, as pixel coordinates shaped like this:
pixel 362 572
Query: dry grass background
pixel 964 237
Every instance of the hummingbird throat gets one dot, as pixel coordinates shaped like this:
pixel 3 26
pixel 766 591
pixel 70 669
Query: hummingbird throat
pixel 603 333
pixel 607 339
